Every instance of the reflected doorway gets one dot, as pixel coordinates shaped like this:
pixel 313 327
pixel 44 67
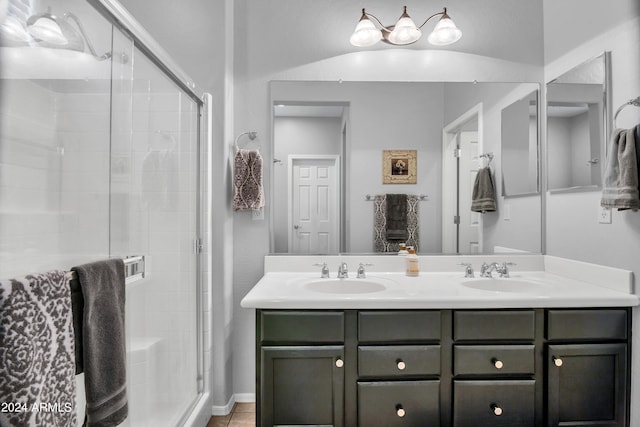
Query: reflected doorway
pixel 461 227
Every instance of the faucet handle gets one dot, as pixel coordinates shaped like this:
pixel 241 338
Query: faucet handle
pixel 468 271
pixel 504 271
pixel 324 272
pixel 361 273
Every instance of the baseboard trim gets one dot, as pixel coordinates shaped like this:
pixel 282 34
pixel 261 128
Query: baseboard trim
pixel 221 411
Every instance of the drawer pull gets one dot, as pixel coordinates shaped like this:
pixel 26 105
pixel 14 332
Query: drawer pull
pixel 339 363
pixel 497 411
pixel 401 365
pixel 557 361
pixel 400 411
pixel 498 364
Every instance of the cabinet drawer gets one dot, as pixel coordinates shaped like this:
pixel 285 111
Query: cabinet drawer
pixel 493 359
pixel 494 325
pixel 494 403
pixel 400 360
pixel 405 404
pixel 398 326
pixel 302 326
pixel 586 324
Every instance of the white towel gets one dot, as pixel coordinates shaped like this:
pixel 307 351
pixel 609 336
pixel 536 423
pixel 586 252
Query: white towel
pixel 37 361
pixel 247 181
pixel 620 189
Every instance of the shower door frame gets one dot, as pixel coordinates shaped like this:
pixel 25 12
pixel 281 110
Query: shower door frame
pixel 121 19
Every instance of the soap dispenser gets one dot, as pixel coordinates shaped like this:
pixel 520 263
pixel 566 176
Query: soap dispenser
pixel 403 250
pixel 412 264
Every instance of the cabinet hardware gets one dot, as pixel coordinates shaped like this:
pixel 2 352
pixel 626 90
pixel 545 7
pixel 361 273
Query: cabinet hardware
pixel 401 365
pixel 557 361
pixel 497 411
pixel 339 363
pixel 497 363
pixel 400 411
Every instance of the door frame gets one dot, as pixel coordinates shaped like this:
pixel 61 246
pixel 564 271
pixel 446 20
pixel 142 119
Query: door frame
pixel 450 178
pixel 336 163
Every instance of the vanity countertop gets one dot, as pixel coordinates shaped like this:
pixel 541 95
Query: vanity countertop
pixel 559 283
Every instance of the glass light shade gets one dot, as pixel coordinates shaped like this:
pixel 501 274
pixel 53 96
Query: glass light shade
pixel 404 32
pixel 46 29
pixel 365 34
pixel 12 29
pixel 445 32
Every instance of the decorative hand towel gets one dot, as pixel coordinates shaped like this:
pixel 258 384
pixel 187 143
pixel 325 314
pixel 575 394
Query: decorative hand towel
pixel 103 342
pixel 483 198
pixel 36 352
pixel 380 242
pixel 620 189
pixel 396 227
pixel 247 181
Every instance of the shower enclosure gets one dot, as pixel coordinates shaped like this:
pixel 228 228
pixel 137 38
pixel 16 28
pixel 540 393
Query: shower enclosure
pixel 100 156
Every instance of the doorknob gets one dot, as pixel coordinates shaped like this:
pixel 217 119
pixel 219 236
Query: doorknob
pixel 295 227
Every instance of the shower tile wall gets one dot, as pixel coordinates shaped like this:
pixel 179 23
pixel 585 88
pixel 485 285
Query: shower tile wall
pixel 53 176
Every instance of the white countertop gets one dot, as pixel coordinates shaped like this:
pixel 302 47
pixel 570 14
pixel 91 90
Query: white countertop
pixel 573 287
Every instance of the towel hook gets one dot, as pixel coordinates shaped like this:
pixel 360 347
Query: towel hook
pixel 252 134
pixel 634 102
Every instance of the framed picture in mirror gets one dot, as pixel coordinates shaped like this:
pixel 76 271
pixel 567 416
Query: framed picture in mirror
pixel 399 166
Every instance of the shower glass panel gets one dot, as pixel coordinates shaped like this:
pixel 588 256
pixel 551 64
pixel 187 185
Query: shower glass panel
pixel 99 157
pixel 154 184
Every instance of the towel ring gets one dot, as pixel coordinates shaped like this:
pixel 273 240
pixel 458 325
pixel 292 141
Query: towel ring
pixel 252 135
pixel 633 102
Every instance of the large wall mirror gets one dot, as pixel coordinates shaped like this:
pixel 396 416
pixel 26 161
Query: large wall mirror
pixel 577 126
pixel 330 142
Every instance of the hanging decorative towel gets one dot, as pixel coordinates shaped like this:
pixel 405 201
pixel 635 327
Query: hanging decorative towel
pixel 381 242
pixel 37 361
pixel 247 181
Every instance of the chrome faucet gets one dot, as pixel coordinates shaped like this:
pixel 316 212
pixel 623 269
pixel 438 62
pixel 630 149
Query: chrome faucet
pixel 324 272
pixel 502 270
pixel 343 271
pixel 487 269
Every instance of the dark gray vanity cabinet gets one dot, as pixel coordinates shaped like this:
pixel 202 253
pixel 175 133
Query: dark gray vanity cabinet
pixel 588 367
pixel 301 368
pixel 460 368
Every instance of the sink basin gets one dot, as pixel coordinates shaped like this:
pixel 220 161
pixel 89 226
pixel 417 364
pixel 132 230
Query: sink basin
pixel 506 285
pixel 345 286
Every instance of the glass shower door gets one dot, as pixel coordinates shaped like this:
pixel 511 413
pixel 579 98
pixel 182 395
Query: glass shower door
pixel 154 212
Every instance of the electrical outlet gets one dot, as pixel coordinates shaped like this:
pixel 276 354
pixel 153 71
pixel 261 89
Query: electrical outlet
pixel 604 215
pixel 258 214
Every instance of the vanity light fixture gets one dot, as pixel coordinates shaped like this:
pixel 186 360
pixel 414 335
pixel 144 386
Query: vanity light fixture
pixel 405 31
pixel 56 31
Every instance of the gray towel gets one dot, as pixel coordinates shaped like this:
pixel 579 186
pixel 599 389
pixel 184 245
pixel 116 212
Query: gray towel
pixel 396 228
pixel 483 198
pixel 620 189
pixel 247 181
pixel 36 351
pixel 103 342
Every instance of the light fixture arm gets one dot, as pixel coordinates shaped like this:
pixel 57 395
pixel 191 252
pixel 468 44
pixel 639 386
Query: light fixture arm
pixel 75 19
pixel 443 13
pixel 382 26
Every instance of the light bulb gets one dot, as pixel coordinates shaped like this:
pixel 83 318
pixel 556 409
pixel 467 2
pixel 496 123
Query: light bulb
pixel 365 34
pixel 445 32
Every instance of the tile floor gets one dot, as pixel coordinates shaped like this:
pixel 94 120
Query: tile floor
pixel 242 415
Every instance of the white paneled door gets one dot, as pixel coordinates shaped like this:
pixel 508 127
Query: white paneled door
pixel 314 204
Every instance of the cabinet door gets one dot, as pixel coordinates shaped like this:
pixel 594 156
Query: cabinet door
pixel 302 386
pixel 587 385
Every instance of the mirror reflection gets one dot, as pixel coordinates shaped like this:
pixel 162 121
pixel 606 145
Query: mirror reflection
pixel 520 146
pixel 333 191
pixel 576 126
